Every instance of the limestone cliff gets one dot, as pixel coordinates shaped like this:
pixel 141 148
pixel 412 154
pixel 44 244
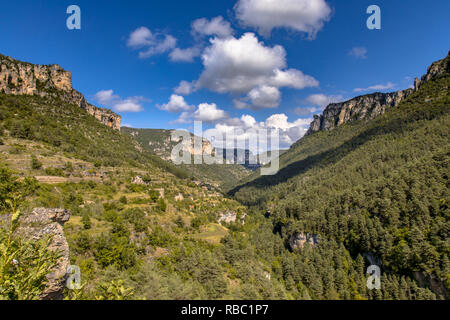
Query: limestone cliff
pixel 371 105
pixel 160 142
pixel 22 78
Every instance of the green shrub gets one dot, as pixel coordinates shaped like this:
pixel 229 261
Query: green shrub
pixel 86 220
pixel 123 200
pixel 162 206
pixel 58 172
pixel 137 218
pixel 35 163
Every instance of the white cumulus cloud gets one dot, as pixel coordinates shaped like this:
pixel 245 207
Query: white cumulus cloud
pixel 184 88
pixel 239 65
pixel 184 55
pixel 265 97
pixel 307 16
pixel 305 111
pixel 322 100
pixel 108 99
pixel 209 113
pixel 176 104
pixel 246 66
pixel 238 131
pixel 206 112
pixel 377 87
pixel 150 43
pixel 217 26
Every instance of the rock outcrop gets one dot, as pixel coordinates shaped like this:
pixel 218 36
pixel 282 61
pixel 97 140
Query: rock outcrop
pixel 198 146
pixel 298 240
pixel 231 217
pixel 42 222
pixel 372 105
pixel 22 78
pixel 359 108
pixel 430 281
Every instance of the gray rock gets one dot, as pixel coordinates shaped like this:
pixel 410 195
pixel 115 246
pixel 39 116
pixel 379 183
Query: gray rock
pixel 38 224
pixel 298 240
pixel 430 281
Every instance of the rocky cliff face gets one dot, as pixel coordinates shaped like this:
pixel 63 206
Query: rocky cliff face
pixel 298 240
pixel 206 148
pixel 43 222
pixel 363 107
pixel 19 78
pixel 371 105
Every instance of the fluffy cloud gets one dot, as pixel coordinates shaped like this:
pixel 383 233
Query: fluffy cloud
pixel 184 88
pixel 108 99
pixel 239 65
pixel 209 113
pixel 206 112
pixel 292 78
pixel 184 55
pixel 319 101
pixel 245 65
pixel 378 87
pixel 215 27
pixel 322 100
pixel 140 37
pixel 240 131
pixel 150 43
pixel 176 104
pixel 358 52
pixel 265 97
pixel 305 111
pixel 306 16
pixel 239 104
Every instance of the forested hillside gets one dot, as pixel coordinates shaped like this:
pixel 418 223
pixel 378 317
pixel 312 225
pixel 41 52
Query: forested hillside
pixel 375 188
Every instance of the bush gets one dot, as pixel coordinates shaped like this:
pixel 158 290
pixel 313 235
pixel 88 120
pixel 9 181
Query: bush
pixel 58 172
pixel 69 167
pixel 162 205
pixel 154 195
pixel 22 131
pixel 35 163
pixel 137 218
pixel 86 220
pixel 123 200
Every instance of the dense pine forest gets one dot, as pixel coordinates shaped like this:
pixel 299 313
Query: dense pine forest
pixel 374 189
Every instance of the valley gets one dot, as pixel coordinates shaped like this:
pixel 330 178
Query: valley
pixel 373 186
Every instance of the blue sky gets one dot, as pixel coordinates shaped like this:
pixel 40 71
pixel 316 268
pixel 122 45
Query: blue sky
pixel 329 45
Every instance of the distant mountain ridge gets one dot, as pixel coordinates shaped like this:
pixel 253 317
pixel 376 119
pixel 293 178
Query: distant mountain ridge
pixel 159 142
pixel 23 78
pixel 371 105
